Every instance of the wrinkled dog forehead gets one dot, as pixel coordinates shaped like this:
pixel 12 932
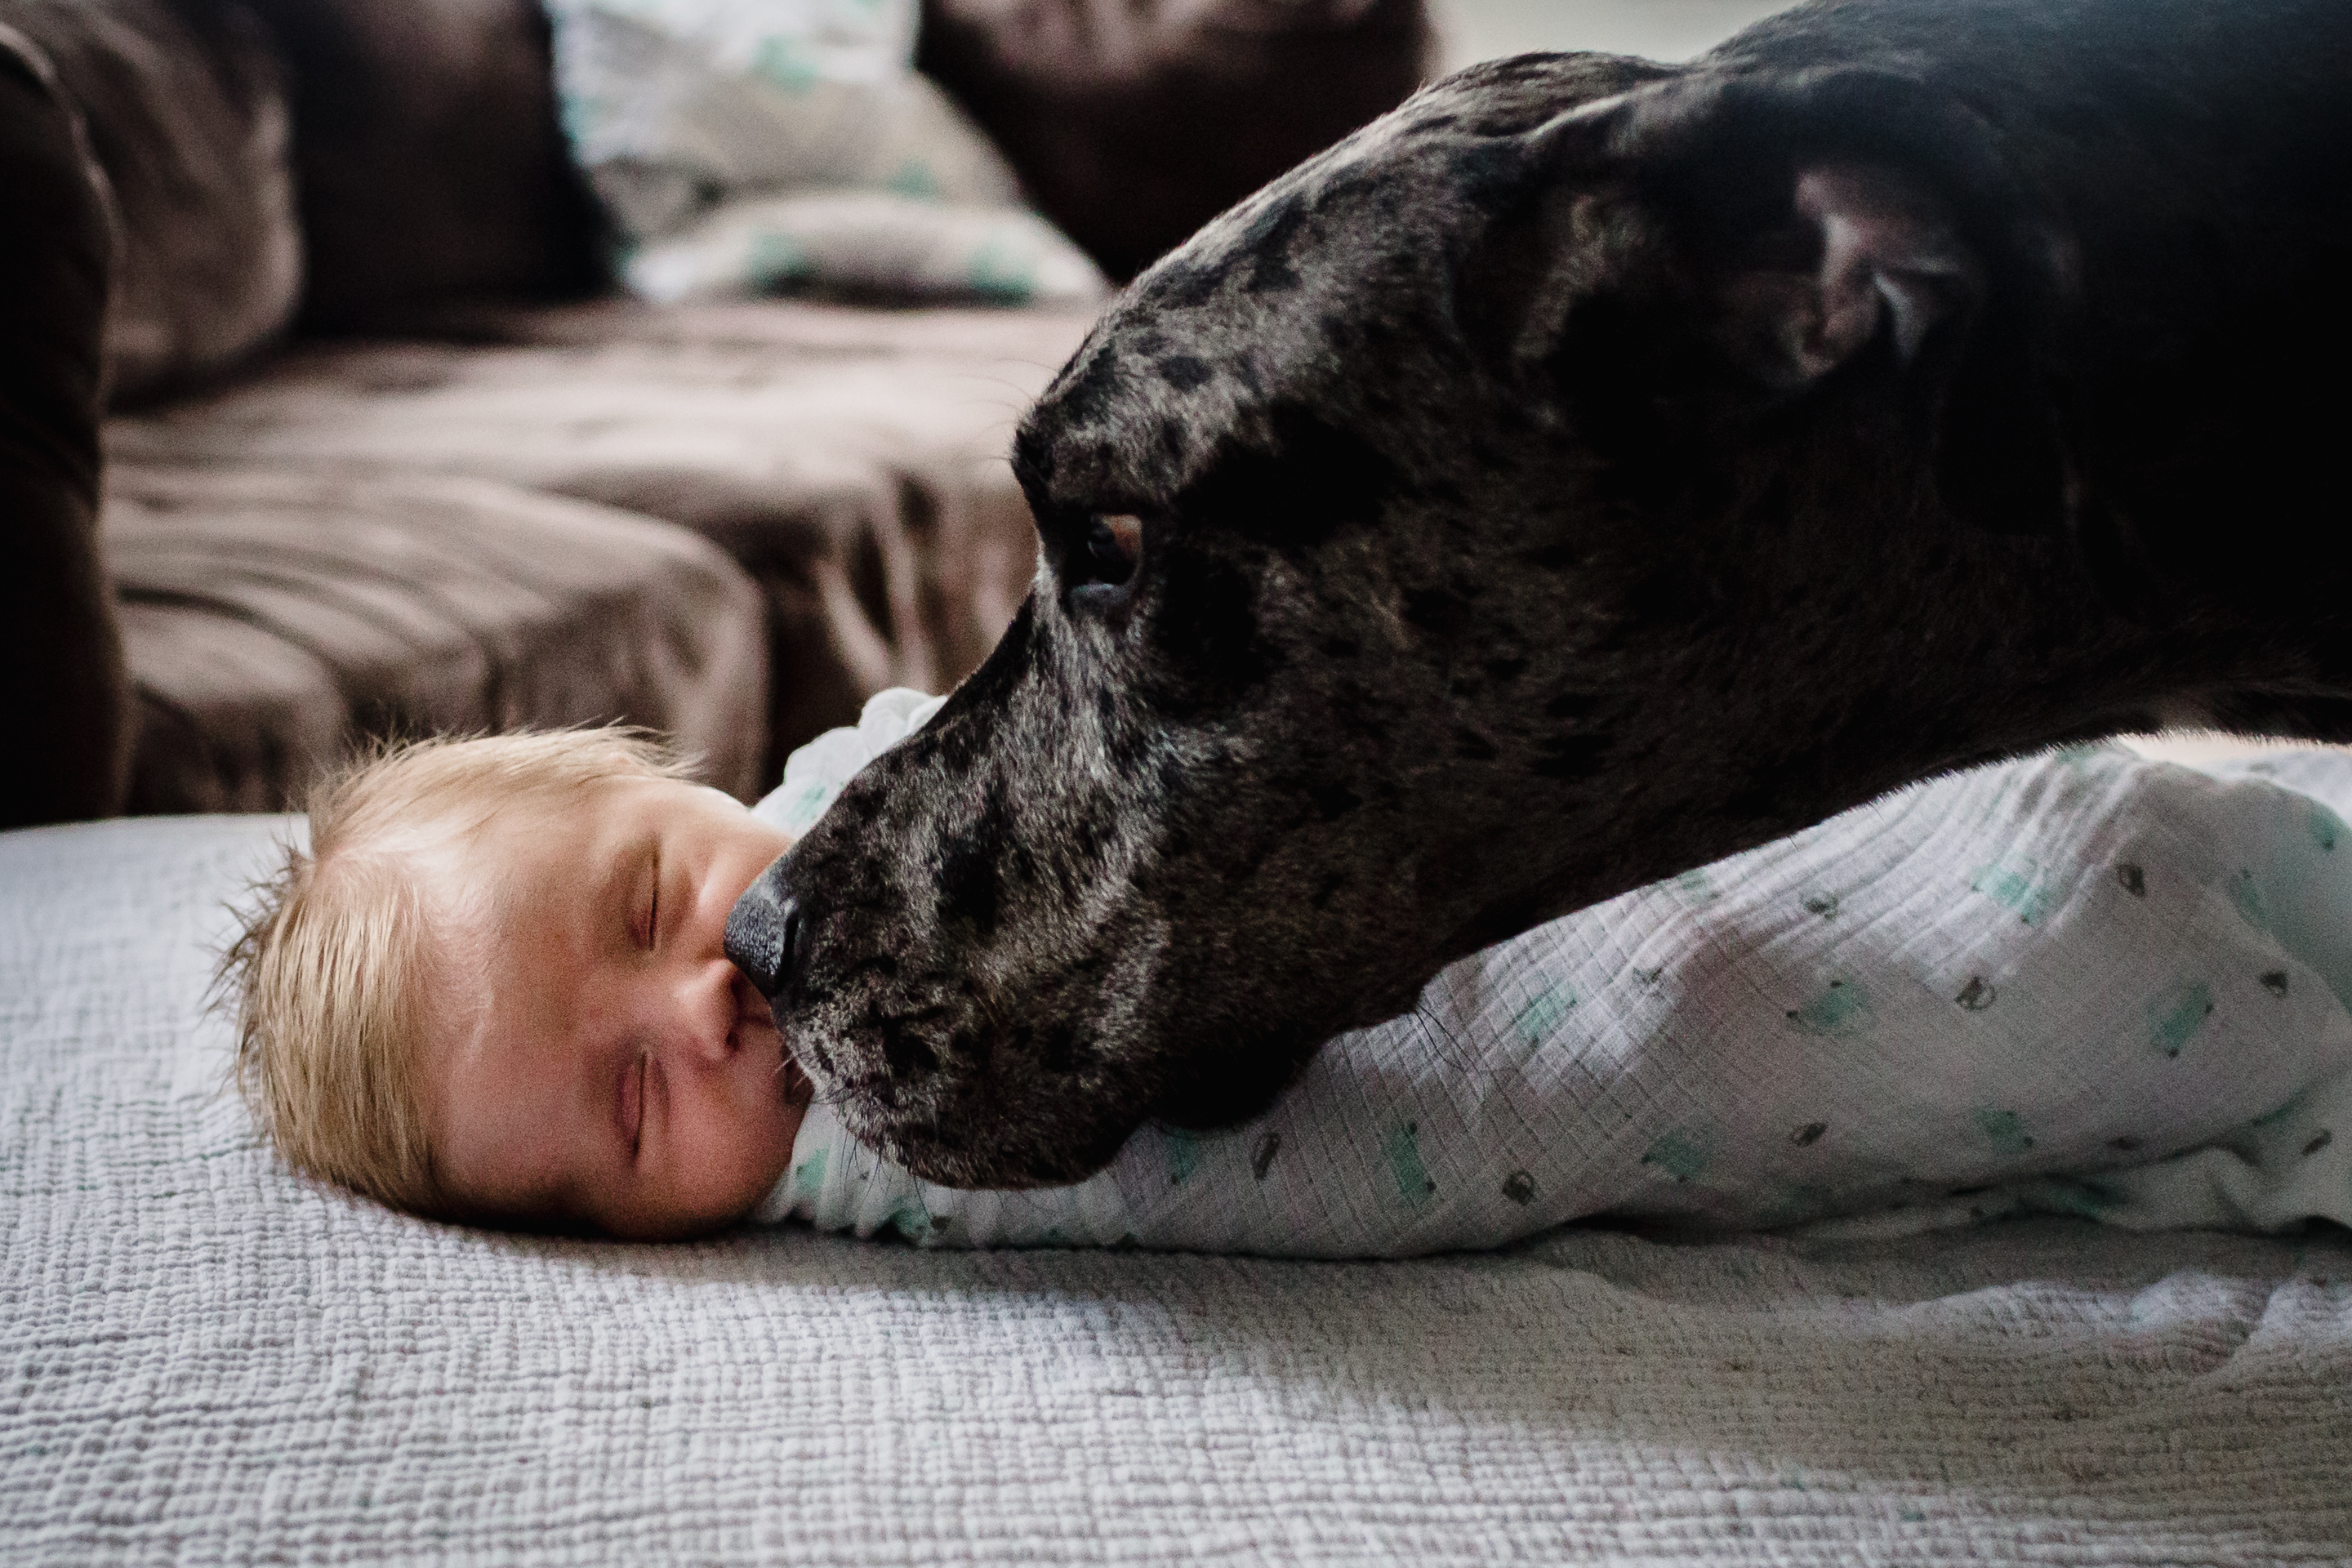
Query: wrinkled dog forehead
pixel 1334 281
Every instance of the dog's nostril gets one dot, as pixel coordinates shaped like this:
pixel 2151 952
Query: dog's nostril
pixel 907 1055
pixel 764 935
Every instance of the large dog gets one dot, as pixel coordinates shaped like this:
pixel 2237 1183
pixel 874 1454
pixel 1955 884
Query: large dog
pixel 1593 469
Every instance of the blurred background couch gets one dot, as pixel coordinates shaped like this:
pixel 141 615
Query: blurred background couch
pixel 382 452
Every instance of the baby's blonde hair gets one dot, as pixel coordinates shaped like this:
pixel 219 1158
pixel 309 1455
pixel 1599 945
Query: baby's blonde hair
pixel 329 972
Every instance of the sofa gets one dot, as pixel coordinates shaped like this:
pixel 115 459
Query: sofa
pixel 383 452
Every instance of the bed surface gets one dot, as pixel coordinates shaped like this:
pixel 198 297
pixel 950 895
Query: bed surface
pixel 204 1359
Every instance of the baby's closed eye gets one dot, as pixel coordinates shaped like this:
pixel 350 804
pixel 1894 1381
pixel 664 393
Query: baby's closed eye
pixel 648 920
pixel 632 1102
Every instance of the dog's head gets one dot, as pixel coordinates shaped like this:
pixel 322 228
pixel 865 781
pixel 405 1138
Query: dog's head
pixel 1509 507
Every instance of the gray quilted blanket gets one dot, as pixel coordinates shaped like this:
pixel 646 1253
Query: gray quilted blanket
pixel 206 1360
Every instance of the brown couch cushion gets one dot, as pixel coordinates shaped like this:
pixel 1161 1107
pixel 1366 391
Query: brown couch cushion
pixel 430 161
pixel 275 618
pixel 63 702
pixel 852 460
pixel 184 109
pixel 1134 122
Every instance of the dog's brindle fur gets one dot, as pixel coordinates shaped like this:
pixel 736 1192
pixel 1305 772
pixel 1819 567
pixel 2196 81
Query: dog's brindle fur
pixel 1591 469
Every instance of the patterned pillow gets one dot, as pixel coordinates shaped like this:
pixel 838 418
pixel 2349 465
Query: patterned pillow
pixel 744 146
pixel 864 245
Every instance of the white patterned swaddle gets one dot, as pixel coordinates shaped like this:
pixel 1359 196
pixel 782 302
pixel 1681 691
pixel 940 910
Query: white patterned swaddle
pixel 2082 981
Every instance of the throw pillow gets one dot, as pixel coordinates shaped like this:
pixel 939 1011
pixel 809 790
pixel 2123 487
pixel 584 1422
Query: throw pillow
pixel 727 137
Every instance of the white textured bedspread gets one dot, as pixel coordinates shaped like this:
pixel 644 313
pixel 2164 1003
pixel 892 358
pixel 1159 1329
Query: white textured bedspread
pixel 203 1360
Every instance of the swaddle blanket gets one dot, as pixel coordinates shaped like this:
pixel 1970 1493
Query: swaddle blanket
pixel 746 146
pixel 2083 981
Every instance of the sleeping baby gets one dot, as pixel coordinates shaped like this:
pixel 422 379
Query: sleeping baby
pixel 493 989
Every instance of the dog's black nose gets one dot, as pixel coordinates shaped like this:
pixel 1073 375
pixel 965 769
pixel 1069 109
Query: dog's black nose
pixel 763 932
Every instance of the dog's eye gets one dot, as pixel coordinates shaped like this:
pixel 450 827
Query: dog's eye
pixel 1114 543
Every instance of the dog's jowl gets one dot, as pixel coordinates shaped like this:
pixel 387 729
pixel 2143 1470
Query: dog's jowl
pixel 1589 470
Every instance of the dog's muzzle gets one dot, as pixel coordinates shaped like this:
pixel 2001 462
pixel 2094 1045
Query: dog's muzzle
pixel 763 934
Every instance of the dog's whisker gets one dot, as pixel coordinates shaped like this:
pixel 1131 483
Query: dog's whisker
pixel 1450 1047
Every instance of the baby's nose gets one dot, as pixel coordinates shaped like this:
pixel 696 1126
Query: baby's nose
pixel 710 1011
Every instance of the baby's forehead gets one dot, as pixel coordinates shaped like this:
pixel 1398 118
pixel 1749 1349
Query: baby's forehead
pixel 539 872
pixel 498 845
pixel 477 882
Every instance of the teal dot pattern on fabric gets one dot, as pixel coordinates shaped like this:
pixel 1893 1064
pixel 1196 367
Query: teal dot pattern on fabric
pixel 2004 1130
pixel 2021 885
pixel 582 115
pixel 784 64
pixel 998 270
pixel 915 179
pixel 1682 1154
pixel 1544 1012
pixel 2176 1017
pixel 1402 1149
pixel 776 260
pixel 2247 894
pixel 2272 1118
pixel 808 1176
pixel 1183 1154
pixel 807 805
pixel 1840 1011
pixel 2327 829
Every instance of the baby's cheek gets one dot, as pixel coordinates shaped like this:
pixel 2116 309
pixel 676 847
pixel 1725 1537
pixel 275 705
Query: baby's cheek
pixel 760 1140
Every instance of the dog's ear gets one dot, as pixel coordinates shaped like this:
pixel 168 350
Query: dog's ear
pixel 1777 228
pixel 1809 216
pixel 1884 260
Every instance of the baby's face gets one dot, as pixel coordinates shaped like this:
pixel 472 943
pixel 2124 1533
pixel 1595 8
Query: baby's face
pixel 591 1055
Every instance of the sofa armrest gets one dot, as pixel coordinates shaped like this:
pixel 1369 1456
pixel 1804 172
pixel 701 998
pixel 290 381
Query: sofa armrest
pixel 64 702
pixel 183 110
